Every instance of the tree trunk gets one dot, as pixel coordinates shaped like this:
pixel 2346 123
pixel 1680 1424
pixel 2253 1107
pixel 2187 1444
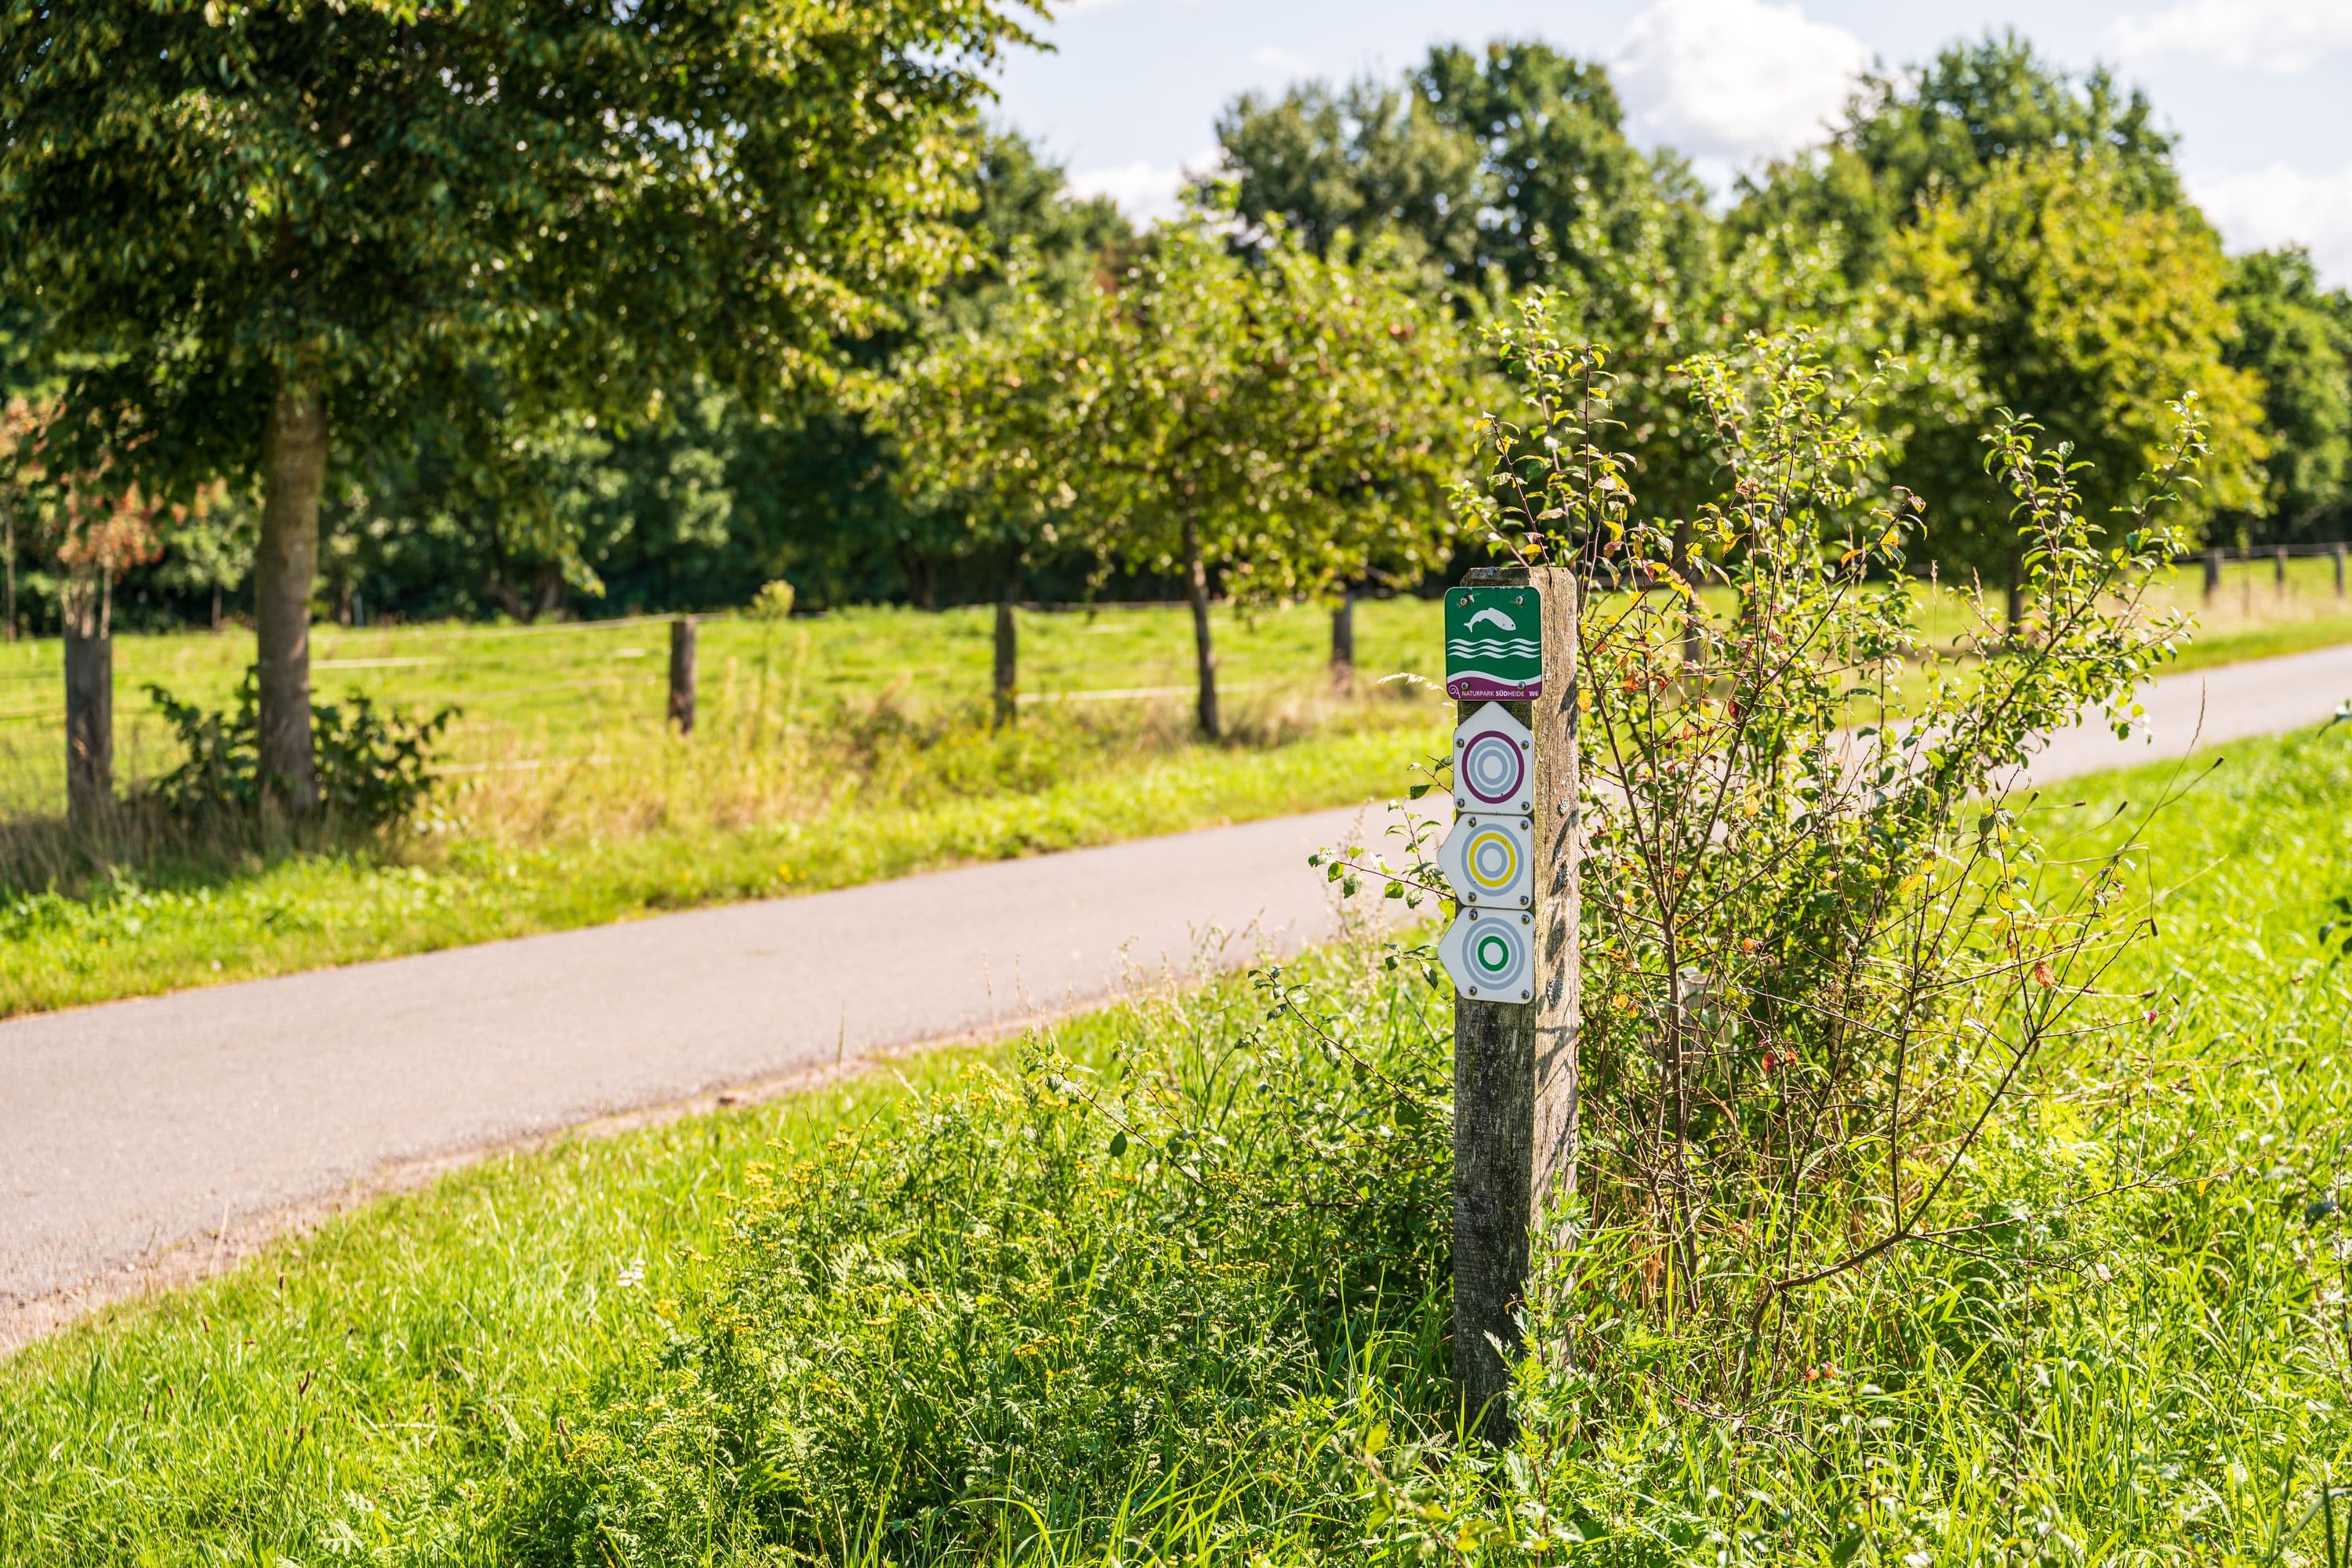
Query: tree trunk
pixel 217 607
pixel 1006 688
pixel 922 580
pixel 1196 591
pixel 285 570
pixel 1343 642
pixel 89 705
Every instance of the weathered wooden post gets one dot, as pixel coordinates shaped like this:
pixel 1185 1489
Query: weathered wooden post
pixel 89 706
pixel 2213 574
pixel 1004 678
pixel 2278 570
pixel 1512 859
pixel 681 674
pixel 2336 553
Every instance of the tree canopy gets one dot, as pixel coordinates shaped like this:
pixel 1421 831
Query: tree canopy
pixel 555 310
pixel 1501 167
pixel 253 224
pixel 2075 304
pixel 1269 422
pixel 1942 129
pixel 2297 338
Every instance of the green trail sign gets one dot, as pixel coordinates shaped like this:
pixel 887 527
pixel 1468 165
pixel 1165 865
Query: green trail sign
pixel 1493 643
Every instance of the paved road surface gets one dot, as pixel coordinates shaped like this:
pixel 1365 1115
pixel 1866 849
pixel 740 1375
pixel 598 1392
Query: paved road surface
pixel 129 1130
pixel 2205 708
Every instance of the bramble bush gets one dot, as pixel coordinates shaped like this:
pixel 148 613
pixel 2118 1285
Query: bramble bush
pixel 374 764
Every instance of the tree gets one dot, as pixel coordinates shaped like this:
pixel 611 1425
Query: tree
pixel 1360 160
pixel 257 224
pixel 1287 423
pixel 1510 166
pixel 20 388
pixel 1566 181
pixel 1941 130
pixel 2298 339
pixel 1510 169
pixel 1037 249
pixel 995 428
pixel 2079 305
pixel 208 552
pixel 1271 423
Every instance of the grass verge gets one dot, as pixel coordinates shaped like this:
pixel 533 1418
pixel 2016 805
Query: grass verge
pixel 856 1327
pixel 139 932
pixel 830 752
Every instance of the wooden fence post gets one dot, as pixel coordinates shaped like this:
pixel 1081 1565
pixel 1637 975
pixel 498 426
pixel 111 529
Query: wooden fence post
pixel 1515 1084
pixel 1004 678
pixel 1343 642
pixel 681 674
pixel 2337 554
pixel 2213 574
pixel 2278 570
pixel 89 717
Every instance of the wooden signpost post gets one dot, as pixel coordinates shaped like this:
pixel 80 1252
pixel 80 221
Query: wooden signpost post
pixel 1510 662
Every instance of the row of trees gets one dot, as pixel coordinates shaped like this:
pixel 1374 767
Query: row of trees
pixel 486 307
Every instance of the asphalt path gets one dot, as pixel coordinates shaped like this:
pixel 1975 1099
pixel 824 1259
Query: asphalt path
pixel 149 1130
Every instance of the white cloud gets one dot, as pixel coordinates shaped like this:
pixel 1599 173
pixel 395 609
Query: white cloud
pixel 2258 208
pixel 1282 61
pixel 1145 191
pixel 1729 82
pixel 2282 36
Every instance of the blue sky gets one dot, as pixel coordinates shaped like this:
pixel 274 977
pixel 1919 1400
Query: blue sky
pixel 2259 90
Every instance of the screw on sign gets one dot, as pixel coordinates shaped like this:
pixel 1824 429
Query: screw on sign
pixel 1490 954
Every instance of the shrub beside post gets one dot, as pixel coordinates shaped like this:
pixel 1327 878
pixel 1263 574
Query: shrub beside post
pixel 681 674
pixel 1515 1078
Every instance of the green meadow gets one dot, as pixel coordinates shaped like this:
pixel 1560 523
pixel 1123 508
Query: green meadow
pixel 1167 1284
pixel 828 751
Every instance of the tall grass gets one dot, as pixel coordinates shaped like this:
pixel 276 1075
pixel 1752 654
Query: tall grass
pixel 1166 1285
pixel 566 800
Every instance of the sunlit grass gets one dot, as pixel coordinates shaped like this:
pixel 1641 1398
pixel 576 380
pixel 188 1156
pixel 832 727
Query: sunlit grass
pixel 829 751
pixel 406 1386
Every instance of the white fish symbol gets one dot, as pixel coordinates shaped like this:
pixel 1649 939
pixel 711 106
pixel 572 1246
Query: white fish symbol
pixel 1495 615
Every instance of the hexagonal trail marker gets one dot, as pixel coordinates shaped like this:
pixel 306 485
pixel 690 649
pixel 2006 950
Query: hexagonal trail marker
pixel 1494 764
pixel 1490 953
pixel 1489 862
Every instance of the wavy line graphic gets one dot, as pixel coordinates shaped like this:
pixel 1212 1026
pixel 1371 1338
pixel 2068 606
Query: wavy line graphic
pixel 1521 646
